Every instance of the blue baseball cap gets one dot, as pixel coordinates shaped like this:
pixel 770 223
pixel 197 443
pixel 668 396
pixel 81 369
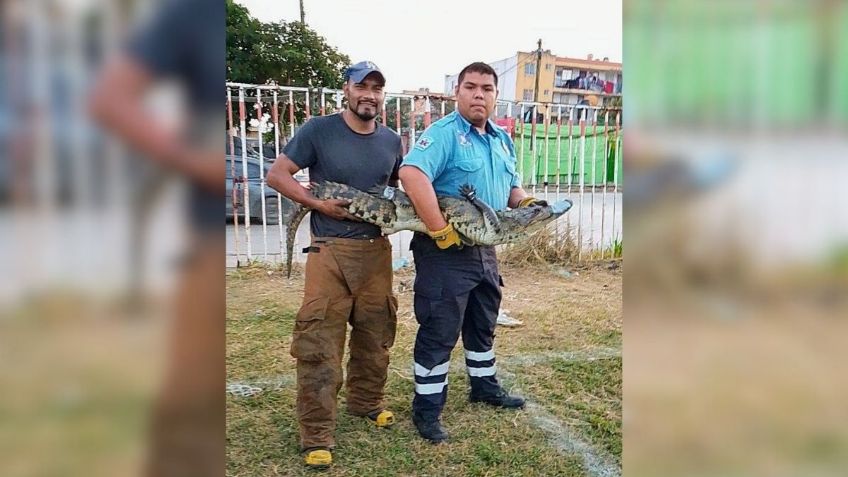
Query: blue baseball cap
pixel 359 71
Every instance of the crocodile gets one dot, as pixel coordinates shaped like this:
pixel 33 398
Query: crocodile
pixel 391 209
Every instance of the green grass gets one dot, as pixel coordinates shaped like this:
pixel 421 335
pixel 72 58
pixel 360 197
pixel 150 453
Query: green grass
pixel 613 251
pixel 589 394
pixel 578 313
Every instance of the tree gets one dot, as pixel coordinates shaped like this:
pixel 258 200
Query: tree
pixel 244 42
pixel 286 53
pixel 297 55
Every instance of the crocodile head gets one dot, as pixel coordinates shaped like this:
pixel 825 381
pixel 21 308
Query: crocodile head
pixel 536 216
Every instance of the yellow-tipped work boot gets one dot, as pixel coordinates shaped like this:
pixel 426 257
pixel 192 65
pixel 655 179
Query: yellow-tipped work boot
pixel 382 418
pixel 319 458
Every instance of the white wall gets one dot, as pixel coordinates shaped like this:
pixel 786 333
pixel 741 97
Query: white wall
pixel 450 83
pixel 507 76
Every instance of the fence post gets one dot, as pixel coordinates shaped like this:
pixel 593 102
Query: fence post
pixel 243 130
pixel 276 119
pixel 263 206
pixel 233 191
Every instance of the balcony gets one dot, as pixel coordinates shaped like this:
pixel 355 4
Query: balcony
pixel 575 86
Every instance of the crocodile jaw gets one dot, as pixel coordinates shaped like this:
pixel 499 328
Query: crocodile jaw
pixel 561 207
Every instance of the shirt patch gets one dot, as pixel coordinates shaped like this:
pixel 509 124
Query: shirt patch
pixel 463 140
pixel 423 143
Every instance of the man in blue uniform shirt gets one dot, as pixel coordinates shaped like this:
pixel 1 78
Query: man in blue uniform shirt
pixel 457 289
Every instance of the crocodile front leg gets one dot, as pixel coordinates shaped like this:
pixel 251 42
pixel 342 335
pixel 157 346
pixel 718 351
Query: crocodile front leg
pixel 470 194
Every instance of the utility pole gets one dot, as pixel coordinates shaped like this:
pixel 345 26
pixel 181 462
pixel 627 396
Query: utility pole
pixel 536 91
pixel 302 16
pixel 538 70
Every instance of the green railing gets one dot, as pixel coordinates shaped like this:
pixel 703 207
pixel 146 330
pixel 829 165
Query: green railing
pixel 595 154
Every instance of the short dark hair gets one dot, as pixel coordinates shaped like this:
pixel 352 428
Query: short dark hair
pixel 478 67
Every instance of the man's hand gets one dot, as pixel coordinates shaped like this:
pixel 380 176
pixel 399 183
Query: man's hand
pixel 531 201
pixel 203 167
pixel 446 237
pixel 337 209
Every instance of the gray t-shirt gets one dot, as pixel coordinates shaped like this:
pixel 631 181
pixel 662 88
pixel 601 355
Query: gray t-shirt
pixel 334 152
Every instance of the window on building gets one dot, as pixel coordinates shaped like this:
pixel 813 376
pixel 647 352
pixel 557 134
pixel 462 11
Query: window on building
pixel 547 92
pixel 528 95
pixel 548 67
pixel 530 69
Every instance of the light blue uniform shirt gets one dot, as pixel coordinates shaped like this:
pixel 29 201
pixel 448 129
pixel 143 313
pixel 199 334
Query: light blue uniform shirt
pixel 451 152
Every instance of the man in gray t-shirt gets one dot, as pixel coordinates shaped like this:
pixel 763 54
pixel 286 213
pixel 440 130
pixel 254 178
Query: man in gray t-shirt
pixel 348 269
pixel 334 152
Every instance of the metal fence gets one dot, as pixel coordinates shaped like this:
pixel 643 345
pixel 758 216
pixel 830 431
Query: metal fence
pixel 75 199
pixel 563 151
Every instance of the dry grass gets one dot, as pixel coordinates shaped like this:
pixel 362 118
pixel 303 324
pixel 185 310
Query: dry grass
pixel 546 247
pixel 759 395
pixel 577 313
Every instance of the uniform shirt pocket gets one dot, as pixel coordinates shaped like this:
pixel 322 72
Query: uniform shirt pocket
pixel 468 159
pixel 509 164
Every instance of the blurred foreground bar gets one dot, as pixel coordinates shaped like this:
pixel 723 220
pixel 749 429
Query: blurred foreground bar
pixel 98 251
pixel 737 262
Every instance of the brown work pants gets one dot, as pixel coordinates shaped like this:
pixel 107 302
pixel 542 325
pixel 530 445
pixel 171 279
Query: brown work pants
pixel 347 281
pixel 187 426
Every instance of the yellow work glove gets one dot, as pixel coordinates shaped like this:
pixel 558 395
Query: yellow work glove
pixel 446 237
pixel 530 201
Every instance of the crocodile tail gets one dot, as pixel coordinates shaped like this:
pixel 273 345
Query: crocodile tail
pixel 291 232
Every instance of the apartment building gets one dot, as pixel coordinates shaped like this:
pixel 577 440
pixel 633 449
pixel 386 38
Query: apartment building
pixel 562 80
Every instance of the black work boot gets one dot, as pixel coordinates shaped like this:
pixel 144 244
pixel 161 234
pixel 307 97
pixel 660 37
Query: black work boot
pixel 501 399
pixel 430 429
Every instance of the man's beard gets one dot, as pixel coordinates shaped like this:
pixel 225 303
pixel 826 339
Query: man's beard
pixel 368 116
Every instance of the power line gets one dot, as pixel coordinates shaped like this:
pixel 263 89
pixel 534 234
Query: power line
pixel 519 63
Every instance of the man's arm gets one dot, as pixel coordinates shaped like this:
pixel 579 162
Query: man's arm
pixel 280 177
pixel 518 198
pixel 117 104
pixel 420 191
pixel 420 165
pixel 423 197
pixel 516 195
